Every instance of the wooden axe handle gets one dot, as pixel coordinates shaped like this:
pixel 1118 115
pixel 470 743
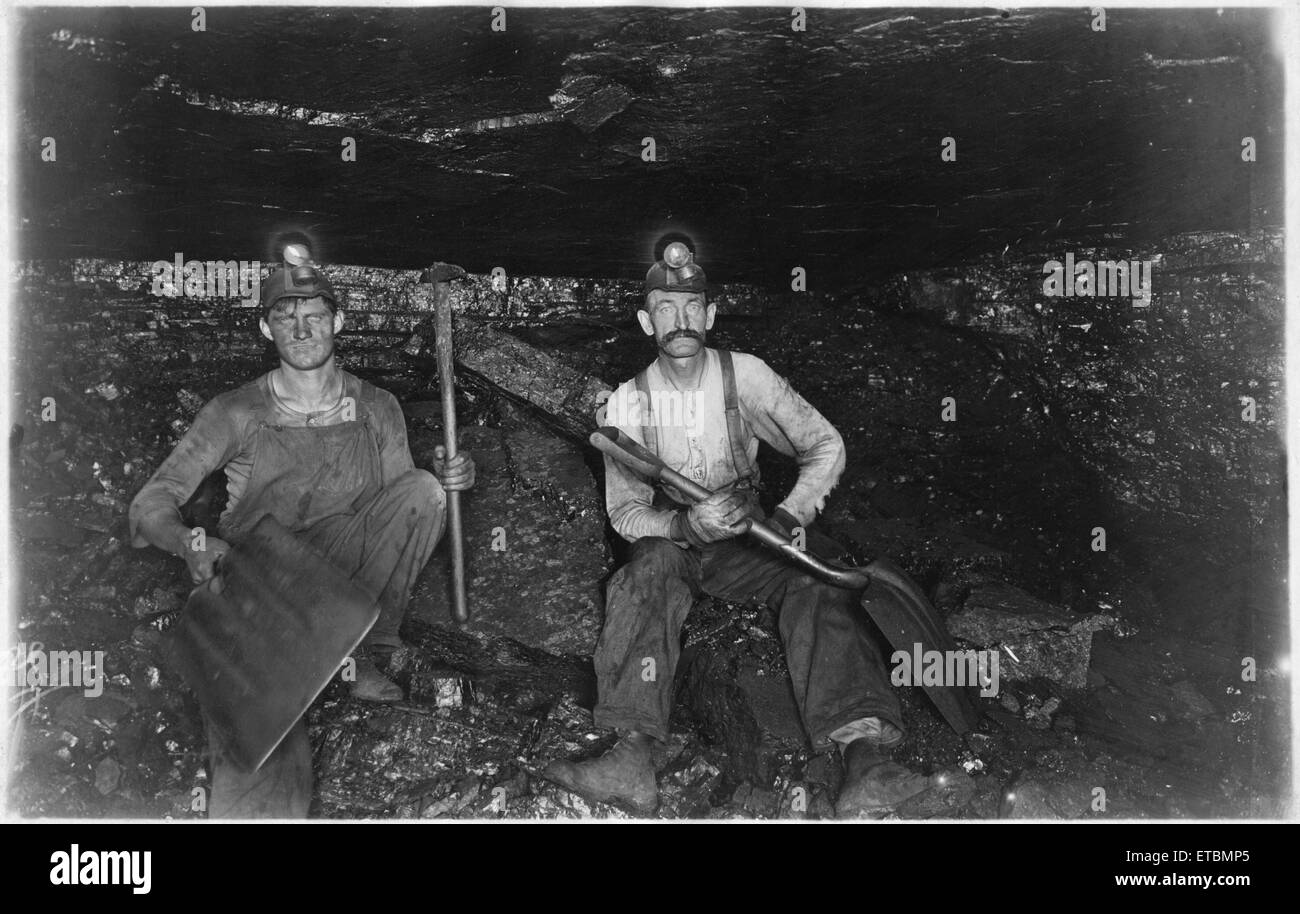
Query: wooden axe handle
pixel 442 274
pixel 611 441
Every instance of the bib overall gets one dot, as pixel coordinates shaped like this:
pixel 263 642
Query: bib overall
pixel 324 484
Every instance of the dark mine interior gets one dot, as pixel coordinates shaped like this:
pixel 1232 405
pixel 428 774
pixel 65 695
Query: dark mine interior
pixel 1090 483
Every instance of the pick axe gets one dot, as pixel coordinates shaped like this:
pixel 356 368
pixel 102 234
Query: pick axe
pixel 441 275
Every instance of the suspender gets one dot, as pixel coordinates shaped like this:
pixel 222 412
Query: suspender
pixel 649 432
pixel 737 435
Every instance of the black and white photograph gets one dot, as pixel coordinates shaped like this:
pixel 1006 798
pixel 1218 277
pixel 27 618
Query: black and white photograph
pixel 612 414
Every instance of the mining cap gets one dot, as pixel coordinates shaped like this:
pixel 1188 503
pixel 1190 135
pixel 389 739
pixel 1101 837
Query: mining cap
pixel 677 272
pixel 297 277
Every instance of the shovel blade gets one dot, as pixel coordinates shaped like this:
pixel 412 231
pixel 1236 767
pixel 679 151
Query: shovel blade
pixel 905 617
pixel 258 643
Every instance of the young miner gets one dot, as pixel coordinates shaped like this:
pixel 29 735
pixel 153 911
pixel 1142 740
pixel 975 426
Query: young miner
pixel 679 549
pixel 325 453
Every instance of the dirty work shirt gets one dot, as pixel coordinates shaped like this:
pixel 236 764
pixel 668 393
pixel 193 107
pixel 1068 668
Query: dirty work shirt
pixel 224 434
pixel 342 480
pixel 692 439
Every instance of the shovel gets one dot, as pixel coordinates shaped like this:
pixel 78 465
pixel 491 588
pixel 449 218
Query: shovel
pixel 258 642
pixel 891 599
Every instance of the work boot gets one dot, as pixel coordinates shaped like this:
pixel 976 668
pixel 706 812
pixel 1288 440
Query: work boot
pixel 874 784
pixel 382 646
pixel 623 776
pixel 370 684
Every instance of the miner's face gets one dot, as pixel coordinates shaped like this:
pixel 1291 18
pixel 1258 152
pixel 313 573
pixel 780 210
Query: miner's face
pixel 679 321
pixel 303 331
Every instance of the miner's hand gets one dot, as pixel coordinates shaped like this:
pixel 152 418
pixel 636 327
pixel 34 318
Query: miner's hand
pixel 456 474
pixel 721 516
pixel 202 562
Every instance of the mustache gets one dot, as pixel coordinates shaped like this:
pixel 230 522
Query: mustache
pixel 690 334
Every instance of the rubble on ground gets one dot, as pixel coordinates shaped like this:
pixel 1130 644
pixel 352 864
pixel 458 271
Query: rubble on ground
pixel 1034 638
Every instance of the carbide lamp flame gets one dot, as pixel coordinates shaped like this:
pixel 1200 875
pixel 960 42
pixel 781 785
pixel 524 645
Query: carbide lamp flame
pixel 298 263
pixel 296 255
pixel 676 269
pixel 677 255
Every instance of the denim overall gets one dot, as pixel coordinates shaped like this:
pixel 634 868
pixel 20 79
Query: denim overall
pixel 324 484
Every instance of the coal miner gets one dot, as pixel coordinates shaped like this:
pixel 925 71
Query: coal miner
pixel 704 411
pixel 326 455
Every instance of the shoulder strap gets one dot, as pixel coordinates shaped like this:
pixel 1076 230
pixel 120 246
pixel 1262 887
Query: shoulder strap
pixel 369 393
pixel 736 433
pixel 649 434
pixel 367 398
pixel 253 401
pixel 366 391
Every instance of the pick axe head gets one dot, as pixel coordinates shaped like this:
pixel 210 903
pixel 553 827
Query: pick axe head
pixel 442 272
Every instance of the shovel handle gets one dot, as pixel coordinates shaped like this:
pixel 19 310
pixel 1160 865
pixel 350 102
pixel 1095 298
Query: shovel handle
pixel 619 446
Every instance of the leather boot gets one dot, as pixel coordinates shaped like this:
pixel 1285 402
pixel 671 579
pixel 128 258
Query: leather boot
pixel 370 684
pixel 623 776
pixel 874 784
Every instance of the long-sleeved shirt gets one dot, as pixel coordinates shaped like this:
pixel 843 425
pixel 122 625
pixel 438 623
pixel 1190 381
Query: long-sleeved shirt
pixel 224 435
pixel 691 432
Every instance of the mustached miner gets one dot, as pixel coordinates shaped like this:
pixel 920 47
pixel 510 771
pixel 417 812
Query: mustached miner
pixel 680 548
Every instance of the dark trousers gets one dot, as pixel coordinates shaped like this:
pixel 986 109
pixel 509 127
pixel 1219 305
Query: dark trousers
pixel 383 547
pixel 837 672
pixel 386 544
pixel 280 789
